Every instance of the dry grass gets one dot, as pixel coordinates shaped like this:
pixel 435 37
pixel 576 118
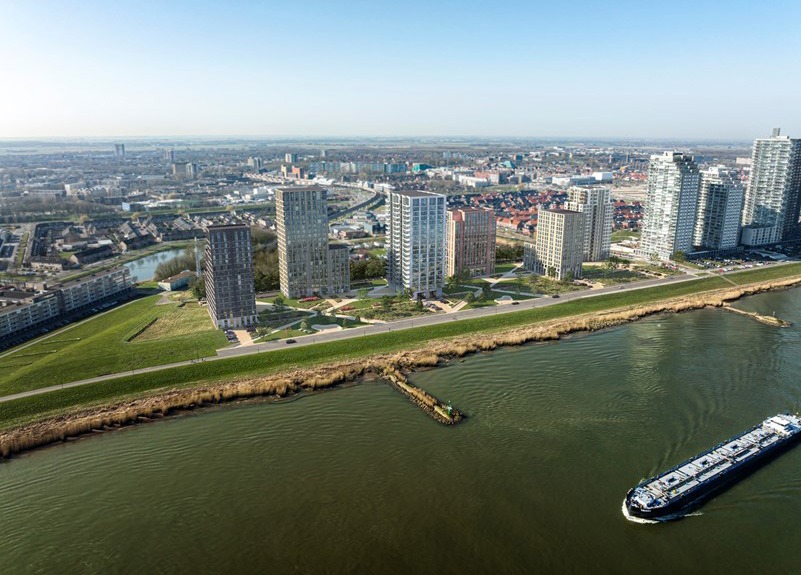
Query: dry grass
pixel 186 320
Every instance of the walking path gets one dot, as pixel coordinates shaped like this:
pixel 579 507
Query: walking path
pixel 376 328
pixel 355 332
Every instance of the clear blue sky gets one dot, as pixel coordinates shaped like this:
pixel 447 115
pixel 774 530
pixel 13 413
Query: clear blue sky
pixel 700 69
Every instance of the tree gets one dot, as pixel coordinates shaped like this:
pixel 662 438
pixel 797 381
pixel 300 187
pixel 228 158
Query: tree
pixel 279 302
pixel 386 303
pixel 569 277
pixel 451 283
pixel 680 257
pixel 376 268
pixel 304 325
pixel 508 253
pixel 363 293
pixel 470 297
pixel 519 283
pixel 486 291
pixel 550 272
pixel 357 270
pixel 198 287
pixel 261 237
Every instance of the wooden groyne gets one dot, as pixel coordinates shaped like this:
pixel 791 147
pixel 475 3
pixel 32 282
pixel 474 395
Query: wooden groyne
pixel 435 408
pixel 766 319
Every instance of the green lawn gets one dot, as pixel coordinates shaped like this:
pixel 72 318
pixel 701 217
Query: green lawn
pixel 475 304
pixel 620 235
pixel 610 277
pixel 764 274
pixel 26 409
pixel 359 304
pixel 400 307
pixel 319 304
pixel 503 268
pixel 283 334
pixel 657 269
pixel 328 320
pixel 542 285
pixel 494 294
pixel 99 345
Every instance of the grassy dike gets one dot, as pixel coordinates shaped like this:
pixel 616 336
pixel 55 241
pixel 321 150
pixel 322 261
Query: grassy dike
pixel 325 364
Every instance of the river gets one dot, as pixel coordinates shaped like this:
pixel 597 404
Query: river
pixel 144 268
pixel 358 480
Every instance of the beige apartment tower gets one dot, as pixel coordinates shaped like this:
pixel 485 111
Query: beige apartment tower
pixel 595 203
pixel 470 242
pixel 308 266
pixel 559 247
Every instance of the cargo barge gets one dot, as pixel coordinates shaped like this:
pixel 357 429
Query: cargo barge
pixel 689 484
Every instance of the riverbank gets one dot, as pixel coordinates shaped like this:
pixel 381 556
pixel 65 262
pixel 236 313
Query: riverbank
pixel 126 411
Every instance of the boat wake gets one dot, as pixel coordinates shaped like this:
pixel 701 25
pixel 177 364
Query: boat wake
pixel 642 520
pixel 633 519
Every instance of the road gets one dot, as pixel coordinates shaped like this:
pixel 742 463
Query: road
pixel 410 323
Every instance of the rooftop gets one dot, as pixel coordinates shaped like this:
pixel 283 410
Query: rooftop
pixel 418 194
pixel 562 211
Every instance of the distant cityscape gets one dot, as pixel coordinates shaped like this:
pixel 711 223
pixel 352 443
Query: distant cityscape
pixel 338 219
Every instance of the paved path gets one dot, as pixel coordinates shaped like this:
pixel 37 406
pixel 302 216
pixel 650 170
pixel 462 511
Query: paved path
pixel 373 329
pixel 437 319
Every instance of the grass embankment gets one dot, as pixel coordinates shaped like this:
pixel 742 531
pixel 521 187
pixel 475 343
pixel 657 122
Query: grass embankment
pixel 286 359
pixel 319 365
pixel 124 401
pixel 765 274
pixel 100 345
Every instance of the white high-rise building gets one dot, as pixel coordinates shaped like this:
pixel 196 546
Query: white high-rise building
pixel 416 242
pixel 596 204
pixel 720 203
pixel 671 201
pixel 559 247
pixel 772 198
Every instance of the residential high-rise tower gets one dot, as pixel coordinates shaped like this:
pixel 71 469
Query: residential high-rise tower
pixel 307 264
pixel 559 247
pixel 720 203
pixel 230 290
pixel 596 204
pixel 671 201
pixel 471 241
pixel 773 194
pixel 416 242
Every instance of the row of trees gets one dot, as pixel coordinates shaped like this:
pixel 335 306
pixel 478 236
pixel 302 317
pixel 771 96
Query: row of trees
pixel 370 268
pixel 184 261
pixel 508 252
